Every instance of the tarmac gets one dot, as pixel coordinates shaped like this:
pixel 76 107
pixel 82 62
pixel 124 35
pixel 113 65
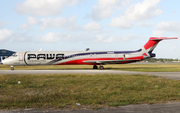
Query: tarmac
pixel 170 107
pixel 169 75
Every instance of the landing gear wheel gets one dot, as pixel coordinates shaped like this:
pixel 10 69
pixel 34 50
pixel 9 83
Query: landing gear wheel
pixel 95 67
pixel 101 67
pixel 12 68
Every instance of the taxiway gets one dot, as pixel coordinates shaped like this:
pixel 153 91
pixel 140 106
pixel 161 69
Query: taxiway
pixel 169 75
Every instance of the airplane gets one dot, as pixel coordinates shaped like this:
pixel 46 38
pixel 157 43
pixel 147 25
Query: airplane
pixel 94 58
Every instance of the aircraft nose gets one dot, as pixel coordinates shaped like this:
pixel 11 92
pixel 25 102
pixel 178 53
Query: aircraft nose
pixel 2 62
pixel 5 62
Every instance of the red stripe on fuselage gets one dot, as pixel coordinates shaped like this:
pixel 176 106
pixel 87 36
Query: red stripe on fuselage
pixel 81 61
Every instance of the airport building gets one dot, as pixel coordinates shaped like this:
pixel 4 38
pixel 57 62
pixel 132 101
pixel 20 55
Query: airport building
pixel 5 53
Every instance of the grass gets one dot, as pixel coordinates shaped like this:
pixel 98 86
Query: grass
pixel 150 67
pixel 154 67
pixel 91 91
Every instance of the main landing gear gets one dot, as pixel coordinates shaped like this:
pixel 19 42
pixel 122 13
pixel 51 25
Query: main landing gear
pixel 100 67
pixel 95 67
pixel 12 68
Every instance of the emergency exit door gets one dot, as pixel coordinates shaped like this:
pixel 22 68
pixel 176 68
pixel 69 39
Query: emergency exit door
pixel 116 56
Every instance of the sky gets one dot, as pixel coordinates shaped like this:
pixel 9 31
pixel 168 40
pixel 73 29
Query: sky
pixel 101 25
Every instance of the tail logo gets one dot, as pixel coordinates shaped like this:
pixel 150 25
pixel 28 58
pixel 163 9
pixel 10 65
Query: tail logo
pixel 144 54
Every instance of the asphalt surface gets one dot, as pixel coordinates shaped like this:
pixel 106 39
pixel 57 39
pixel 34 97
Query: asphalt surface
pixel 171 107
pixel 169 75
pixel 143 108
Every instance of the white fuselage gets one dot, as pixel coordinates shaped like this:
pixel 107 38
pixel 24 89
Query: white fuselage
pixel 73 58
pixel 84 57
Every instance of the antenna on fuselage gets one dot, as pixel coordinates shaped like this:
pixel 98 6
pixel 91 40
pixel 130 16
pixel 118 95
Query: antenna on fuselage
pixel 87 49
pixel 40 49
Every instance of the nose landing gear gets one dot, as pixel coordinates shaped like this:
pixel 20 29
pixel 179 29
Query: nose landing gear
pixel 12 68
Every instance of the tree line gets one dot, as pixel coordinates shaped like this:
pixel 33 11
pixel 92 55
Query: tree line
pixel 161 60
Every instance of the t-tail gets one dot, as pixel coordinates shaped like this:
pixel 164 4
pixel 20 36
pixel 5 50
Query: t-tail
pixel 151 44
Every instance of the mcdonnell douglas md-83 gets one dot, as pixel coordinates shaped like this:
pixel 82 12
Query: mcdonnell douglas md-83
pixel 83 57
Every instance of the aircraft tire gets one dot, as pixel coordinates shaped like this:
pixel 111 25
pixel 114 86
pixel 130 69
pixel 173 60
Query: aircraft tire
pixel 101 67
pixel 95 67
pixel 12 68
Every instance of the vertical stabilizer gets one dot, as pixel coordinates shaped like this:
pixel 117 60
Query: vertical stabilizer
pixel 152 43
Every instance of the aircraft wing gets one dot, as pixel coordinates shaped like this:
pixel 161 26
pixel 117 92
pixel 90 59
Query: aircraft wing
pixel 109 61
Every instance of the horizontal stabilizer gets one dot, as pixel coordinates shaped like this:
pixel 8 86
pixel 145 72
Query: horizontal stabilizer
pixel 162 38
pixel 153 41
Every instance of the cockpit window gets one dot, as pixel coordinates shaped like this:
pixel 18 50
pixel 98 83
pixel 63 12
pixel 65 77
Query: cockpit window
pixel 14 55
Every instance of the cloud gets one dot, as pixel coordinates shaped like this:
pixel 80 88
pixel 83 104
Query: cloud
pixel 22 37
pixel 52 37
pixel 142 24
pixel 92 26
pixel 137 12
pixel 74 27
pixel 99 12
pixel 2 24
pixel 8 35
pixel 58 22
pixel 33 20
pixel 121 22
pixel 85 36
pixel 104 39
pixel 105 8
pixel 164 27
pixel 129 37
pixel 5 35
pixel 142 11
pixel 67 37
pixel 44 7
pixel 24 26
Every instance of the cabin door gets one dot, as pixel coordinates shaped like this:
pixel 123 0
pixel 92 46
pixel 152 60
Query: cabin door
pixel 21 57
